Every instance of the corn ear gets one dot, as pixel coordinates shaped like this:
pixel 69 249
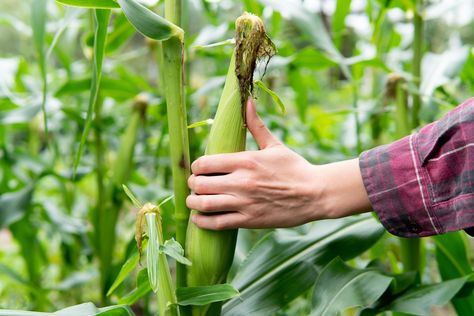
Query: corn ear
pixel 212 252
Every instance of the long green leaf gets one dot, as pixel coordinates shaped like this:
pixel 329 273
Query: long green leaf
pixel 272 94
pixel 149 23
pixel 126 269
pixel 142 289
pixel 85 309
pixel 38 23
pixel 453 262
pixel 100 36
pixel 96 4
pixel 115 88
pixel 204 295
pixel 293 257
pixel 420 300
pixel 340 287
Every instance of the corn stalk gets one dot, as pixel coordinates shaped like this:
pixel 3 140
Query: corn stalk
pixel 410 247
pixel 172 69
pixel 212 252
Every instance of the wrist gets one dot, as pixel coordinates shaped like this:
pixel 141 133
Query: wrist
pixel 342 192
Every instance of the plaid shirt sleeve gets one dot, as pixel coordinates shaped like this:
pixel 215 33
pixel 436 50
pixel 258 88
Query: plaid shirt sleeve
pixel 423 184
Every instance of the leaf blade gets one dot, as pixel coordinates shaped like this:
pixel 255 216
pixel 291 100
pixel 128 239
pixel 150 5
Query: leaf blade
pixel 149 23
pixel 204 295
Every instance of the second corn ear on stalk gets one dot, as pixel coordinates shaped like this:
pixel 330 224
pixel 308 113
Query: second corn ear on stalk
pixel 212 252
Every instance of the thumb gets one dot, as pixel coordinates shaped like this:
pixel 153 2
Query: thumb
pixel 260 132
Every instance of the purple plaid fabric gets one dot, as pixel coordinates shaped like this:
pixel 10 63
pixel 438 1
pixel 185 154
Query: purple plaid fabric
pixel 423 184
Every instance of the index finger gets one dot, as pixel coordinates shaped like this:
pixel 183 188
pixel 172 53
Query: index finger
pixel 220 163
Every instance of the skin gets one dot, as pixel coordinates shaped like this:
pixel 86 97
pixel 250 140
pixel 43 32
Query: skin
pixel 271 187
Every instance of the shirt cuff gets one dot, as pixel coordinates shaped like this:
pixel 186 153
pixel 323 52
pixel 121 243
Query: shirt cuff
pixel 397 189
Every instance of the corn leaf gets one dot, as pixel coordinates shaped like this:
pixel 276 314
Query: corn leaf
pixel 126 269
pixel 282 265
pixel 97 4
pixel 38 24
pixel 132 197
pixel 149 23
pixel 142 289
pixel 272 94
pixel 418 301
pixel 118 89
pixel 453 262
pixel 201 123
pixel 204 295
pixel 100 36
pixel 340 287
pixel 85 309
pixel 230 41
pixel 174 249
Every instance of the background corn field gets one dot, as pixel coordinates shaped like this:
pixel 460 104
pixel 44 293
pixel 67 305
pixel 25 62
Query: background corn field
pixel 67 227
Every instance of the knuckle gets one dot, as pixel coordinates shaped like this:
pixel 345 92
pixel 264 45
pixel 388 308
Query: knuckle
pixel 249 183
pixel 205 205
pixel 250 163
pixel 220 224
pixel 199 185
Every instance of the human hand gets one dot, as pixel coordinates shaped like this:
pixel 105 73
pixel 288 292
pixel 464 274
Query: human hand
pixel 271 187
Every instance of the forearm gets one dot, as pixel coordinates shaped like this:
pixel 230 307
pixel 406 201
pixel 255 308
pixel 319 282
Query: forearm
pixel 342 190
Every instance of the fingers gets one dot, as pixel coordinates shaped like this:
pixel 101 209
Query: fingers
pixel 212 203
pixel 260 132
pixel 210 184
pixel 219 222
pixel 219 163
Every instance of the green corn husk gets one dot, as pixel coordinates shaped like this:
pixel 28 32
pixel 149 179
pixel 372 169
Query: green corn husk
pixel 212 252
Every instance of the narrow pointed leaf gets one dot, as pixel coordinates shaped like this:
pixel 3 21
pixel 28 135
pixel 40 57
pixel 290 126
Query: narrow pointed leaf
pixel 204 295
pixel 149 23
pixel 126 269
pixel 142 289
pixel 38 19
pixel 100 36
pixel 201 123
pixel 132 196
pixel 272 94
pixel 97 4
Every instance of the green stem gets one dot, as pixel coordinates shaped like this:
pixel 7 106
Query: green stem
pixel 416 63
pixel 355 107
pixel 410 247
pixel 101 207
pixel 172 66
pixel 167 292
